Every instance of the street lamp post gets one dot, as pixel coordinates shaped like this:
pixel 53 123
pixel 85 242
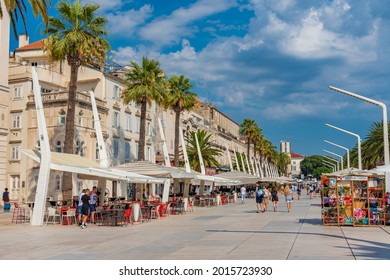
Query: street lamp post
pixel 384 118
pixel 348 159
pixel 337 155
pixel 385 126
pixel 335 160
pixel 358 142
pixel 331 165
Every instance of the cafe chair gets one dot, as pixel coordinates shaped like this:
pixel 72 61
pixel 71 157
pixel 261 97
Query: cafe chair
pixel 190 205
pixel 52 216
pixel 68 217
pixel 154 212
pixel 128 215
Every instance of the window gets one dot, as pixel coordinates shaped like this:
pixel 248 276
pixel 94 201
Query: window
pixel 138 120
pixel 115 119
pixel 38 146
pixel 115 147
pixel 115 92
pixel 58 182
pixel 127 151
pixel 136 151
pixel 97 155
pixel 80 148
pixel 18 92
pixel 16 121
pixel 148 153
pixel 15 186
pixel 148 129
pixel 62 117
pixel 128 122
pixel 34 64
pixel 81 118
pixel 15 153
pixel 59 148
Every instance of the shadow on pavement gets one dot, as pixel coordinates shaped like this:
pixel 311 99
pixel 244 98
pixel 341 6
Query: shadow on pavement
pixel 373 249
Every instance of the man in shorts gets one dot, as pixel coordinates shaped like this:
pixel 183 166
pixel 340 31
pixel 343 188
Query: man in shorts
pixel 92 205
pixel 80 206
pixel 85 208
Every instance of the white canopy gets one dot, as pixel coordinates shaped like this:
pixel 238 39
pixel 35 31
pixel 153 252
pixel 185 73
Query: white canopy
pixel 155 170
pixel 80 165
pixel 357 172
pixel 217 180
pixel 240 177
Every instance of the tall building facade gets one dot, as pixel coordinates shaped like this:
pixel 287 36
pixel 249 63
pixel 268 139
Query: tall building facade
pixel 120 122
pixel 285 147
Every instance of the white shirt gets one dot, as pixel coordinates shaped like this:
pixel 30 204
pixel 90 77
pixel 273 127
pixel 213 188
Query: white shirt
pixel 243 190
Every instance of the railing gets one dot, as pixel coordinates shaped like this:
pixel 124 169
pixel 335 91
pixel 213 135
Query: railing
pixel 63 96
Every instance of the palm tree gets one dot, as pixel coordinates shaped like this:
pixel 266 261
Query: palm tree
pixel 257 138
pixel 15 7
pixel 206 149
pixel 372 147
pixel 77 36
pixel 282 161
pixel 248 128
pixel 145 84
pixel 179 99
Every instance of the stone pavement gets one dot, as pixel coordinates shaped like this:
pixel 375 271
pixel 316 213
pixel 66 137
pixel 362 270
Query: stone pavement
pixel 233 231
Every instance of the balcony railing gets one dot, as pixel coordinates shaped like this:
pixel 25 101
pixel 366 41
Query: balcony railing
pixel 63 96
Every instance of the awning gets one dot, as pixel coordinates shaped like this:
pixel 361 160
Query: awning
pixel 241 177
pixel 217 180
pixel 155 170
pixel 80 165
pixel 377 172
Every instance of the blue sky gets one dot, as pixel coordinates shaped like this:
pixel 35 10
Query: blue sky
pixel 268 60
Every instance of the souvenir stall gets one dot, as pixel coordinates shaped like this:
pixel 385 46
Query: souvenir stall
pixel 353 200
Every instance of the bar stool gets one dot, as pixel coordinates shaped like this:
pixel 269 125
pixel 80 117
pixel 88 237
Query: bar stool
pixel 20 214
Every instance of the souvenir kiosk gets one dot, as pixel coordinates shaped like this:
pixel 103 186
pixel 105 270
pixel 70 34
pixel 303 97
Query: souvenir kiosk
pixel 353 200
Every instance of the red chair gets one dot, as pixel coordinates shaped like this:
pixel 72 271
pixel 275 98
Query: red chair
pixel 128 214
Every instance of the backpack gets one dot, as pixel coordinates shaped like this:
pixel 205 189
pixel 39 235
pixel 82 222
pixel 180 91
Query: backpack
pixel 260 192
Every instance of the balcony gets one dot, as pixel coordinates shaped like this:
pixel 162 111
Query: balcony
pixel 62 97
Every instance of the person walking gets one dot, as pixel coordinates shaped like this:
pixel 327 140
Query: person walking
pixel 274 198
pixel 299 192
pixel 243 194
pixel 7 205
pixel 92 205
pixel 259 198
pixel 80 206
pixel 266 198
pixel 289 197
pixel 85 208
pixel 311 191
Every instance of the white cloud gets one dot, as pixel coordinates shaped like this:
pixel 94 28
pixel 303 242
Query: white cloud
pixel 125 23
pixel 169 29
pixel 108 5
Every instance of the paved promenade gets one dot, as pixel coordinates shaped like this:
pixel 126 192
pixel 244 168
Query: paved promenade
pixel 233 231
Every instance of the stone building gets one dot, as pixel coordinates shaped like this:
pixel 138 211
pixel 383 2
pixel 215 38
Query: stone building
pixel 120 122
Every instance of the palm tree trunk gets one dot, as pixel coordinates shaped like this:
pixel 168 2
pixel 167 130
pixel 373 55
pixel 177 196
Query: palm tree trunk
pixel 142 135
pixel 69 129
pixel 177 127
pixel 249 145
